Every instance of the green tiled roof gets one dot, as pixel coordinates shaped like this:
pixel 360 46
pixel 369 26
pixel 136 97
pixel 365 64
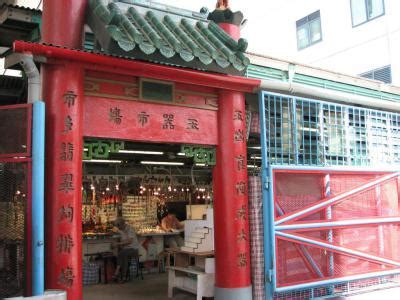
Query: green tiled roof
pixel 165 35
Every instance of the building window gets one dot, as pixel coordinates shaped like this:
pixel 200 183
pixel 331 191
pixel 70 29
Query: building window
pixel 309 30
pixel 156 90
pixel 366 10
pixel 382 74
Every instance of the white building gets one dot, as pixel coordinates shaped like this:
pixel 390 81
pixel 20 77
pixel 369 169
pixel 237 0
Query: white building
pixel 357 37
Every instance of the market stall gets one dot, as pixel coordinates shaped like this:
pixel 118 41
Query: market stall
pixel 155 200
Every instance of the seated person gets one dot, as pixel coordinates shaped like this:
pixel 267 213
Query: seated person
pixel 128 248
pixel 170 224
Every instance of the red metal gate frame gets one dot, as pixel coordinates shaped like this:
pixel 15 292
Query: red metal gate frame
pixel 285 224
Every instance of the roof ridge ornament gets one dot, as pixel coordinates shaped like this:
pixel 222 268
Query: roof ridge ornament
pixel 224 14
pixel 222 4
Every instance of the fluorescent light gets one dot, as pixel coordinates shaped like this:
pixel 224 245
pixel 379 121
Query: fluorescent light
pixel 141 152
pixel 200 165
pixel 255 147
pixel 168 163
pixel 255 157
pixel 181 154
pixel 252 166
pixel 102 161
pixel 12 73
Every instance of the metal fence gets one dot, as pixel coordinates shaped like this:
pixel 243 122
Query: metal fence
pixel 15 195
pixel 305 134
pixel 13 205
pixel 315 133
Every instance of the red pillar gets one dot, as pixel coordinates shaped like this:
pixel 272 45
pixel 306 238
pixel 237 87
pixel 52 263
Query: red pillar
pixel 231 29
pixel 63 94
pixel 232 278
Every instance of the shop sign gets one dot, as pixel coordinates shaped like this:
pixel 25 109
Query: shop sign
pixel 150 122
pixel 101 149
pixel 200 155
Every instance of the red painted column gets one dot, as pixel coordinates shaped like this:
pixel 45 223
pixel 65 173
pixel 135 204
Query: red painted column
pixel 63 94
pixel 64 117
pixel 231 29
pixel 232 278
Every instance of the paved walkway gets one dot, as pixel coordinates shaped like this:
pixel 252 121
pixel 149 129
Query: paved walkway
pixel 388 294
pixel 153 287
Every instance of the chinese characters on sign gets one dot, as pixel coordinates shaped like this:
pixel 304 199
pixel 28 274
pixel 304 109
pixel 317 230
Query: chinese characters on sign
pixel 238 115
pixel 69 98
pixel 193 124
pixel 66 277
pixel 66 184
pixel 240 187
pixel 68 124
pixel 242 260
pixel 239 136
pixel 67 151
pixel 64 243
pixel 241 213
pixel 143 118
pixel 241 237
pixel 115 115
pixel 240 162
pixel 168 121
pixel 66 213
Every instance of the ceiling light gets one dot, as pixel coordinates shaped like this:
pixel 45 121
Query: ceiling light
pixel 252 166
pixel 181 154
pixel 200 165
pixel 167 163
pixel 141 152
pixel 255 157
pixel 255 147
pixel 102 161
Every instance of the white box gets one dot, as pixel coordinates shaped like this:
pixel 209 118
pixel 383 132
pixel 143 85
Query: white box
pixel 209 265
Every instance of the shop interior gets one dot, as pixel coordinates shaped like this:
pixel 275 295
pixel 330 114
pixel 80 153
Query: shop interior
pixel 164 193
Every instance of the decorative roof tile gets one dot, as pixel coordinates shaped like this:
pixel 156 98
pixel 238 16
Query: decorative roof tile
pixel 155 32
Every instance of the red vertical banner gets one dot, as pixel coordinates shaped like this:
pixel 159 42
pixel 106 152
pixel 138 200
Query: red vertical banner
pixel 63 92
pixel 231 195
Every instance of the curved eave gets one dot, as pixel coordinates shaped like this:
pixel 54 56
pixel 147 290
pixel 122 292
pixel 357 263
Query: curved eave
pixel 101 62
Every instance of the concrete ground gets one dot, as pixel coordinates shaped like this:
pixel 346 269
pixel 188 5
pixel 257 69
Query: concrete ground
pixel 388 294
pixel 153 287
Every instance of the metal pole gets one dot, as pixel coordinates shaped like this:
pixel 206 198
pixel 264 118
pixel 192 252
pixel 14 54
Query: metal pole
pixel 315 284
pixel 327 193
pixel 38 134
pixel 301 248
pixel 267 215
pixel 327 202
pixel 351 252
pixel 337 224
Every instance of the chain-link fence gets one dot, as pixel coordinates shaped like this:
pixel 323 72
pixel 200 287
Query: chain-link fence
pixel 15 195
pixel 13 203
